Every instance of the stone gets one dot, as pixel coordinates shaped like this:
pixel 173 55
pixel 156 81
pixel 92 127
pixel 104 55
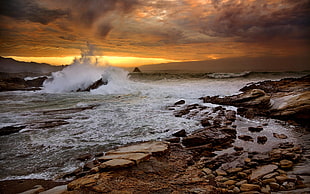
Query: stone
pixel 116 164
pixel 245 138
pixel 268 176
pixel 274 186
pixel 230 182
pixel 146 147
pixel 136 157
pixel 236 190
pixel 238 148
pixel 220 172
pixel 11 129
pixel 262 139
pixel 241 182
pixel 263 170
pixel 266 189
pixel 205 123
pixel 256 129
pixel 242 175
pixel 281 179
pixel 179 102
pixel 234 170
pixel 230 115
pixel 249 187
pixel 83 182
pixel 286 164
pixel 207 171
pixel 56 190
pixel 181 133
pixel 84 157
pixel 279 136
pixel 36 189
pixel 268 181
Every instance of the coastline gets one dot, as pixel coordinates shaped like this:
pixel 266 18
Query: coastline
pixel 197 175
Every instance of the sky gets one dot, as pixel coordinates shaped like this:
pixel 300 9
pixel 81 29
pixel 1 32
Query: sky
pixel 131 32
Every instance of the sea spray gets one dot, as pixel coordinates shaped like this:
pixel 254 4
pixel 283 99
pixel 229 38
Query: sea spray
pixel 83 72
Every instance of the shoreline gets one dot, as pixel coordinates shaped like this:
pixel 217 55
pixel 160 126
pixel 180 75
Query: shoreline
pixel 195 150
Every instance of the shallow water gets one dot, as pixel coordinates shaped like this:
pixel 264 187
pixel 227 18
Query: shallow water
pixel 124 111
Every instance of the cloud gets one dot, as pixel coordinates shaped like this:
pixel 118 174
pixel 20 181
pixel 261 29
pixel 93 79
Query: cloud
pixel 258 19
pixel 29 10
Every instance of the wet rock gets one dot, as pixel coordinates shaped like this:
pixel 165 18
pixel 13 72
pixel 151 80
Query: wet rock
pixel 173 140
pixel 286 164
pixel 205 123
pixel 279 136
pixel 94 85
pixel 181 133
pixel 36 189
pixel 230 115
pixel 179 102
pixel 263 170
pixel 56 190
pixel 238 148
pixel 256 129
pixel 11 129
pixel 84 157
pixel 245 138
pixel 262 139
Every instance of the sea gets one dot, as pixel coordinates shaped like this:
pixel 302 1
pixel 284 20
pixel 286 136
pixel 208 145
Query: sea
pixel 131 107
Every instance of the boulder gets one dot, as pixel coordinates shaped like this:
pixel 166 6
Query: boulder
pixel 116 164
pixel 154 147
pixel 181 133
pixel 263 170
pixel 249 187
pixel 11 129
pixel 256 129
pixel 262 139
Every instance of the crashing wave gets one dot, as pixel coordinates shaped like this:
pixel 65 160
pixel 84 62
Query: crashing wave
pixel 228 75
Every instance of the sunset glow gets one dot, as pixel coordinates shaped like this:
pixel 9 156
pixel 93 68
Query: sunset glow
pixel 137 32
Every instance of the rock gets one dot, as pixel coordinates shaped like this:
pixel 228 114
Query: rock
pixel 83 182
pixel 136 70
pixel 84 157
pixel 207 171
pixel 173 140
pixel 36 189
pixel 181 133
pixel 230 115
pixel 263 170
pixel 241 175
pixel 256 129
pixel 279 136
pixel 238 148
pixel 179 102
pixel 281 179
pixel 266 189
pixel 234 170
pixel 94 85
pixel 241 183
pixel 230 182
pixel 205 123
pixel 286 164
pixel 245 138
pixel 116 164
pixel 56 190
pixel 262 139
pixel 268 181
pixel 136 157
pixel 11 129
pixel 249 187
pixel 154 147
pixel 220 172
pixel 270 175
pixel 274 186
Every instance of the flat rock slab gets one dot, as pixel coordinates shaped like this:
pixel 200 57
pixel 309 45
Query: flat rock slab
pixel 263 170
pixel 116 164
pixel 147 147
pixel 136 157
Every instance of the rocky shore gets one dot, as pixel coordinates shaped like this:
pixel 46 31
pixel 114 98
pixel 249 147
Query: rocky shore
pixel 228 154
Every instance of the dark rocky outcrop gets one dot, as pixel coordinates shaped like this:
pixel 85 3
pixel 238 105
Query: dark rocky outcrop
pixel 16 83
pixel 95 85
pixel 10 129
pixel 287 99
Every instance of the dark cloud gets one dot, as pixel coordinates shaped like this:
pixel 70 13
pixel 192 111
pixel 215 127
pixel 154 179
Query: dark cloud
pixel 29 10
pixel 259 19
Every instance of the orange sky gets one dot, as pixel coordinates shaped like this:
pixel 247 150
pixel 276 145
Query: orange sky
pixel 136 32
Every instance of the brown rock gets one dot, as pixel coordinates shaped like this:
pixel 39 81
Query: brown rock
pixel 234 170
pixel 263 170
pixel 245 138
pixel 181 133
pixel 274 186
pixel 136 157
pixel 279 136
pixel 146 147
pixel 220 172
pixel 249 187
pixel 116 164
pixel 230 182
pixel 286 164
pixel 262 139
pixel 83 182
pixel 256 129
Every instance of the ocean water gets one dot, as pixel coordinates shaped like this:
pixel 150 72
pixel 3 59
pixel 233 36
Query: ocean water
pixel 130 108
